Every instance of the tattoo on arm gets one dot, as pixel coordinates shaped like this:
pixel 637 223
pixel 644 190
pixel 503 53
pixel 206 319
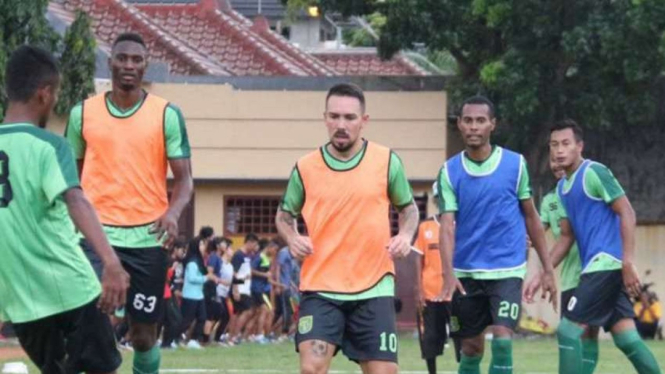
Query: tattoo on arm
pixel 408 220
pixel 286 218
pixel 319 348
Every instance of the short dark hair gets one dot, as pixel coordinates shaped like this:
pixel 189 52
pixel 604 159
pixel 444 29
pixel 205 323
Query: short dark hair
pixel 568 124
pixel 206 232
pixel 479 100
pixel 347 90
pixel 129 37
pixel 226 240
pixel 251 237
pixel 29 69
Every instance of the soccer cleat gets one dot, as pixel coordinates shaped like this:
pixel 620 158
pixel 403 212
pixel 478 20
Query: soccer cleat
pixel 193 344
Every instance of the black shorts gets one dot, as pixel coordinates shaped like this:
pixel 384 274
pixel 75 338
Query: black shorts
pixel 79 340
pixel 147 270
pixel 242 305
pixel 565 299
pixel 213 310
pixel 600 300
pixel 259 299
pixel 486 303
pixel 365 330
pixel 432 328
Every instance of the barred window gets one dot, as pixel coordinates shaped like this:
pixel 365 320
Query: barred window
pixel 421 202
pixel 252 214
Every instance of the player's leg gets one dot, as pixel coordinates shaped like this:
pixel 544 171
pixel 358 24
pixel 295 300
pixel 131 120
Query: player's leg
pixel 589 350
pixel 505 303
pixel 432 332
pixel 470 316
pixel 44 343
pixel 370 337
pixel 320 330
pixel 628 340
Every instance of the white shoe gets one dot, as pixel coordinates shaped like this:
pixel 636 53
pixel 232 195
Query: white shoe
pixel 193 344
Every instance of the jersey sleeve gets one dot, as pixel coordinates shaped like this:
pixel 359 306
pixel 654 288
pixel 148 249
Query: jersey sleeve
pixel 399 188
pixel 175 132
pixel 58 169
pixel 447 200
pixel 562 208
pixel 294 196
pixel 524 183
pixel 544 216
pixel 74 131
pixel 601 183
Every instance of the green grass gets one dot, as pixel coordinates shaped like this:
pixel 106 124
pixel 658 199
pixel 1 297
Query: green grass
pixel 531 356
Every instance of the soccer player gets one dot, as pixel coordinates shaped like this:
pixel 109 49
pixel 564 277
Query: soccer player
pixel 344 191
pixel 124 141
pixel 48 288
pixel 486 211
pixel 571 268
pixel 596 209
pixel 433 314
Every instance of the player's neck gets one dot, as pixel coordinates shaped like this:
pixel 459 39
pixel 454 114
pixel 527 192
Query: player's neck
pixel 479 154
pixel 573 167
pixel 20 113
pixel 126 99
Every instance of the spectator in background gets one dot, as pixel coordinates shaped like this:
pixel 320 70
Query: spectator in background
pixel 242 272
pixel 177 256
pixel 193 305
pixel 648 313
pixel 223 288
pixel 212 304
pixel 171 318
pixel 283 271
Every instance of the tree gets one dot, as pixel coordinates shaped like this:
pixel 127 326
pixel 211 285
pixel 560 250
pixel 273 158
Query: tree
pixel 77 64
pixel 597 61
pixel 22 22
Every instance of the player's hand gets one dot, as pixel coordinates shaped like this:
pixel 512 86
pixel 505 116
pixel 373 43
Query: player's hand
pixel 450 285
pixel 531 288
pixel 529 243
pixel 548 284
pixel 115 282
pixel 631 279
pixel 166 227
pixel 301 247
pixel 399 246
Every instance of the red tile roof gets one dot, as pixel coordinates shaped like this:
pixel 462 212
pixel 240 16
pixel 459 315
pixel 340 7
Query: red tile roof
pixel 113 17
pixel 366 61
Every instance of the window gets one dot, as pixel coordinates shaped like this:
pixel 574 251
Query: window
pixel 256 214
pixel 421 202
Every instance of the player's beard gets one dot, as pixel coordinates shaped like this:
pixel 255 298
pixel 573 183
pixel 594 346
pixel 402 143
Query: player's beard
pixel 344 148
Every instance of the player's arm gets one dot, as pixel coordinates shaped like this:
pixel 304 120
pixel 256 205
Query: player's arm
pixel 74 135
pixel 114 279
pixel 417 285
pixel 537 234
pixel 285 220
pixel 622 207
pixel 401 197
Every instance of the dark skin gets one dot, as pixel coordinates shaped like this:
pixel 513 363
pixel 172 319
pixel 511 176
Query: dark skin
pixel 128 63
pixel 114 280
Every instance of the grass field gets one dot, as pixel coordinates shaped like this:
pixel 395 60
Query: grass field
pixel 531 356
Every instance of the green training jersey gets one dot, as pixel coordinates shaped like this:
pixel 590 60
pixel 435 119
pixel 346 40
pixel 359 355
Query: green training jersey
pixel 399 191
pixel 571 266
pixel 448 203
pixel 43 271
pixel 177 147
pixel 599 183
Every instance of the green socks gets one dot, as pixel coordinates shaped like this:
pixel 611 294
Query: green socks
pixel 570 347
pixel 589 355
pixel 632 345
pixel 502 356
pixel 469 365
pixel 147 362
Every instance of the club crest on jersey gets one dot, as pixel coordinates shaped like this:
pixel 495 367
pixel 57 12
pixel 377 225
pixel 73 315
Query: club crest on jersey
pixel 429 234
pixel 305 324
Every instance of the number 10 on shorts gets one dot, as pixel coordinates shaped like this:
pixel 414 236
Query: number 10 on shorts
pixel 388 341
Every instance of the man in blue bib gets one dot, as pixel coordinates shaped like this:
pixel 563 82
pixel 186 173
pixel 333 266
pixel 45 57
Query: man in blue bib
pixel 486 211
pixel 595 208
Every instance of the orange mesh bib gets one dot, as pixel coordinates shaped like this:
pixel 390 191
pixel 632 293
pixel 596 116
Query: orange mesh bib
pixel 346 213
pixel 125 164
pixel 432 273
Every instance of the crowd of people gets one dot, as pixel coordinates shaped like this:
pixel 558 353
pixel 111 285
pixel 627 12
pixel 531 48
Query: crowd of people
pixel 218 295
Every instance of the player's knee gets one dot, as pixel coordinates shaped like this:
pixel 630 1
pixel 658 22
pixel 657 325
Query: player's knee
pixel 472 348
pixel 312 367
pixel 569 330
pixel 143 340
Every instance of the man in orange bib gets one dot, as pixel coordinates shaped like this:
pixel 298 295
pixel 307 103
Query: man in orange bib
pixel 344 191
pixel 433 314
pixel 124 141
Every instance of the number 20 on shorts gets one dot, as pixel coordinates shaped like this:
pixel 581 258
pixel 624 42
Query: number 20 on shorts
pixel 509 310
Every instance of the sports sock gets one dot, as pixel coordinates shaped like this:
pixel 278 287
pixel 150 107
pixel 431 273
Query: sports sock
pixel 570 347
pixel 502 356
pixel 147 362
pixel 632 345
pixel 469 364
pixel 206 338
pixel 589 355
pixel 431 365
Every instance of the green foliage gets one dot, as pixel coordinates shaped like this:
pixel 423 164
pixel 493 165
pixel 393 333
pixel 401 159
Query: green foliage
pixel 596 61
pixel 359 37
pixel 77 64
